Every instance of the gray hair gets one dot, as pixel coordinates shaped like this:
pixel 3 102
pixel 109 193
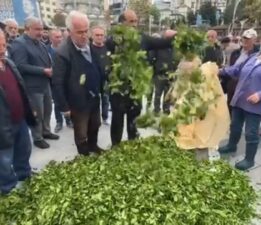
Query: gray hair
pixel 29 21
pixel 10 20
pixel 73 15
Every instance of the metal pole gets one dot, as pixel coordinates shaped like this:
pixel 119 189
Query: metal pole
pixel 74 4
pixel 234 15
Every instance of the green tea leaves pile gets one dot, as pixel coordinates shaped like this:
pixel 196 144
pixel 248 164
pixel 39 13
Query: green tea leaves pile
pixel 143 182
pixel 131 73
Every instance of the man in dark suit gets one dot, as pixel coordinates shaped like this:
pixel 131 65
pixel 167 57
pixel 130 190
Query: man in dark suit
pixel 56 39
pixel 11 30
pixel 123 104
pixel 15 114
pixel 99 48
pixel 213 52
pixel 77 83
pixel 35 66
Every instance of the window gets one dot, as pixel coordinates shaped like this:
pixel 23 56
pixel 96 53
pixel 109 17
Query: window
pixel 47 9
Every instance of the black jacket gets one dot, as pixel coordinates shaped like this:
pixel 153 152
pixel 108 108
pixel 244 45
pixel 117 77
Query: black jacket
pixel 31 58
pixel 6 133
pixel 213 54
pixel 163 61
pixel 147 43
pixel 69 67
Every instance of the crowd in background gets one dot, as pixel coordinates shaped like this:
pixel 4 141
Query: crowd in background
pixel 67 70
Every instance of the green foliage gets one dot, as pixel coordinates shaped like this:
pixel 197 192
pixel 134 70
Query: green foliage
pixel 131 73
pixel 154 11
pixel 146 120
pixel 145 182
pixel 208 12
pixel 252 10
pixel 141 8
pixel 188 42
pixel 228 14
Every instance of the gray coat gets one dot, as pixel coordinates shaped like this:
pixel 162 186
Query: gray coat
pixel 31 58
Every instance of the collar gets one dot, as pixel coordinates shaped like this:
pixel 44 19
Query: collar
pixel 99 46
pixel 84 49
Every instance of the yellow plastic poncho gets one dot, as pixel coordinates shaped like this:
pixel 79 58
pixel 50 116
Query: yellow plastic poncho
pixel 209 132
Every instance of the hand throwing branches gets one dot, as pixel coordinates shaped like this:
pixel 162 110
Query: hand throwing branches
pixel 131 74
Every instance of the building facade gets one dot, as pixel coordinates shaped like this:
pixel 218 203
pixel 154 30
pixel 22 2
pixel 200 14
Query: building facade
pixel 90 7
pixel 18 9
pixel 182 7
pixel 48 9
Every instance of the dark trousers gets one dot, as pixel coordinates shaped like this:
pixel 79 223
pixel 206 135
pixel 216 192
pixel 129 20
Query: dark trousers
pixel 105 105
pixel 162 86
pixel 42 105
pixel 59 116
pixel 86 126
pixel 252 123
pixel 14 161
pixel 230 88
pixel 122 105
pixel 57 113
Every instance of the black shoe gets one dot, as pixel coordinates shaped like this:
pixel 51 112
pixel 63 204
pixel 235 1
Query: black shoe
pixel 83 149
pixel 244 165
pixel 58 127
pixel 227 149
pixel 51 136
pixel 41 144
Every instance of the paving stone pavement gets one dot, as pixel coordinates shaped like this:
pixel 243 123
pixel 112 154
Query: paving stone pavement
pixel 65 149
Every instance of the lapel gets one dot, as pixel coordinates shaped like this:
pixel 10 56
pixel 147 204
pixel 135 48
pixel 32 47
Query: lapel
pixel 77 53
pixel 45 56
pixel 40 51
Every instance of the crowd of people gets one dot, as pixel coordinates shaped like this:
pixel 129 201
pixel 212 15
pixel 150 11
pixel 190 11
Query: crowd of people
pixel 68 69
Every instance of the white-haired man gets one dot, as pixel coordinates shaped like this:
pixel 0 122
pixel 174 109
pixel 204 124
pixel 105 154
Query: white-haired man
pixel 11 29
pixel 77 83
pixel 34 64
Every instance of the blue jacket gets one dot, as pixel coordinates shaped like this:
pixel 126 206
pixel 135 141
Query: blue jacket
pixel 249 74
